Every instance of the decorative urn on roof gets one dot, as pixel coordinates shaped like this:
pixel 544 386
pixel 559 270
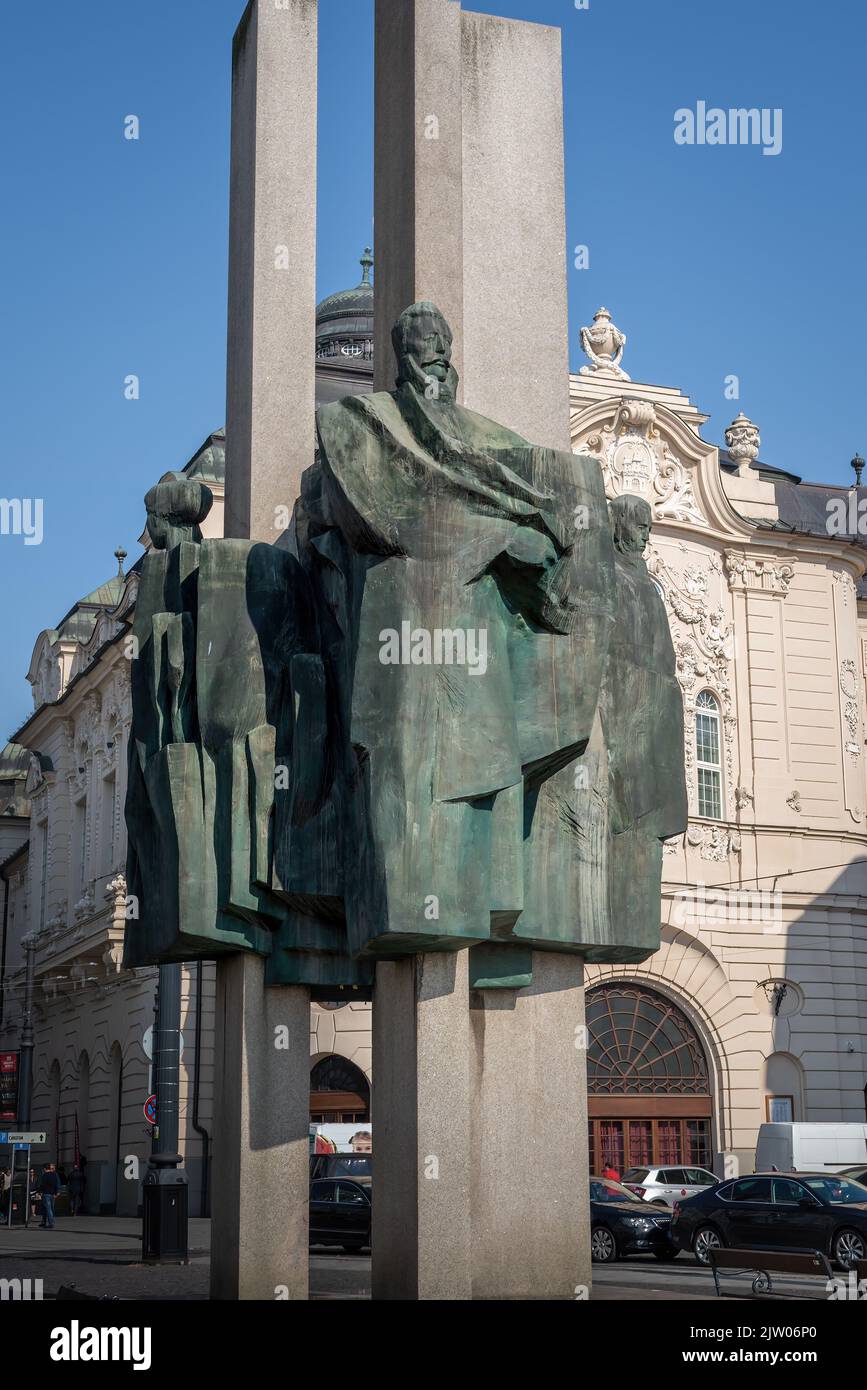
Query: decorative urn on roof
pixel 603 343
pixel 744 441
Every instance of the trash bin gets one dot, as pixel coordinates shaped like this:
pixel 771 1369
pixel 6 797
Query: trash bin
pixel 164 1232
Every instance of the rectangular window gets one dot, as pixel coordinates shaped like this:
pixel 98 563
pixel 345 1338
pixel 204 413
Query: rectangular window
pixel 707 739
pixel 79 844
pixel 107 825
pixel 43 872
pixel 780 1110
pixel 709 793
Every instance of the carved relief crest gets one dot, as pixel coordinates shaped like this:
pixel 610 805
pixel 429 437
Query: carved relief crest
pixel 635 458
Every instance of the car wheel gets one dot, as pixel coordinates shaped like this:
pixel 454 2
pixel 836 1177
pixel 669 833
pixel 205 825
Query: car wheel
pixel 603 1246
pixel 706 1238
pixel 849 1247
pixel 666 1254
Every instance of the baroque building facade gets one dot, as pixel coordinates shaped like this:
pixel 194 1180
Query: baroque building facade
pixel 753 1008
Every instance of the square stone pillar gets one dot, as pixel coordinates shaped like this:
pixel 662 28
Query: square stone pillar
pixel 469 196
pixel 421 1126
pixel 417 169
pixel 261 1168
pixel 530 1158
pixel 261 1164
pixel 480 1133
pixel 270 385
pixel 516 320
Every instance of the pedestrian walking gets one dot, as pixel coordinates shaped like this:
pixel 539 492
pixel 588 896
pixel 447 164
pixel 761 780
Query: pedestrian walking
pixel 75 1183
pixel 34 1194
pixel 49 1186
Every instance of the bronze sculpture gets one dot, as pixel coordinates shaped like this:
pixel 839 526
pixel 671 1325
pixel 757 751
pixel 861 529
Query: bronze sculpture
pixel 447 719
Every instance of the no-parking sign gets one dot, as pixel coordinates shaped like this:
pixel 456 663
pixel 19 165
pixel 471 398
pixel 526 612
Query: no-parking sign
pixel 150 1110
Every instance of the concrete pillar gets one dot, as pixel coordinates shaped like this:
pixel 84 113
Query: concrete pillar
pixel 417 168
pixel 270 391
pixel 470 212
pixel 469 198
pixel 261 1170
pixel 516 326
pixel 421 1125
pixel 261 1167
pixel 528 1086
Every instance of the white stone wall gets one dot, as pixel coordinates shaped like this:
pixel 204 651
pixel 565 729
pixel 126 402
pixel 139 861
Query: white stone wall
pixel 767 622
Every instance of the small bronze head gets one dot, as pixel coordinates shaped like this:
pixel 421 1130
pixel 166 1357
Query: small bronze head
pixel 176 507
pixel 631 523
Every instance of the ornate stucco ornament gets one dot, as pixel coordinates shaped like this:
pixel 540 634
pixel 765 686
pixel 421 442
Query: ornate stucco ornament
pixel 851 714
pixel 745 572
pixel 743 440
pixel 714 842
pixel 86 906
pixel 795 801
pixel 603 344
pixel 704 648
pixel 636 458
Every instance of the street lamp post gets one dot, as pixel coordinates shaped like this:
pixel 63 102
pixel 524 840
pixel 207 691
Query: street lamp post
pixel 164 1230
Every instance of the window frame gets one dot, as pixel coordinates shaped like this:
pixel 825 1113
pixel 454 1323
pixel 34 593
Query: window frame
pixel 712 711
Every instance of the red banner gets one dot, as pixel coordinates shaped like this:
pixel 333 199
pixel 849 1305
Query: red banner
pixel 8 1087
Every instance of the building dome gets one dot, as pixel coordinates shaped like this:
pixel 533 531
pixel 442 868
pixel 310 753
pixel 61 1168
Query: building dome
pixel 344 321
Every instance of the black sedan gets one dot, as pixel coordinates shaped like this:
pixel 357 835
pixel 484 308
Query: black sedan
pixel 776 1211
pixel 621 1224
pixel 340 1212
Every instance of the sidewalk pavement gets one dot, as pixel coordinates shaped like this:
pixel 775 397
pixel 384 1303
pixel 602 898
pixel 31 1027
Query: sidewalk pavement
pixel 101 1255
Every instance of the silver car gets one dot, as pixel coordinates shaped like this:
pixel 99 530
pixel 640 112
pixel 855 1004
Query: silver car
pixel 665 1186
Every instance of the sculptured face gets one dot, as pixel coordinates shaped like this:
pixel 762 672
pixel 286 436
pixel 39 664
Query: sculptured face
pixel 636 536
pixel 633 521
pixel 429 341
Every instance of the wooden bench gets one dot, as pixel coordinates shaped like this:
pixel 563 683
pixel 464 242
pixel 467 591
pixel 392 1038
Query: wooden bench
pixel 763 1263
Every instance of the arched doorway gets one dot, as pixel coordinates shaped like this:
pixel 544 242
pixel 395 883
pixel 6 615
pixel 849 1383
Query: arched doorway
pixel 647 1079
pixel 339 1092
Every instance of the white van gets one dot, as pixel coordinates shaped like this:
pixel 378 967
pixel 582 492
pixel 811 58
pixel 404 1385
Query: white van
pixel 810 1148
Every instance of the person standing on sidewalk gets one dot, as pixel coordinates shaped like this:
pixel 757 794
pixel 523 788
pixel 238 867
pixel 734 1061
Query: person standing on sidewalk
pixel 75 1183
pixel 49 1186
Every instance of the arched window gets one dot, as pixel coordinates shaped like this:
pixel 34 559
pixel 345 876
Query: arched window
pixel 648 1085
pixel 641 1045
pixel 339 1091
pixel 707 756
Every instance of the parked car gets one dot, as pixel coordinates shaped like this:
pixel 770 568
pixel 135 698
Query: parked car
pixel 340 1212
pixel 857 1174
pixel 341 1166
pixel 620 1225
pixel 810 1148
pixel 776 1211
pixel 663 1186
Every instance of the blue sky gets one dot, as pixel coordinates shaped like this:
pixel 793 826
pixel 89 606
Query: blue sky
pixel 715 260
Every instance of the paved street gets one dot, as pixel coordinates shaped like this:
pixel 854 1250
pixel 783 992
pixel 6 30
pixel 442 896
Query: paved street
pixel 100 1255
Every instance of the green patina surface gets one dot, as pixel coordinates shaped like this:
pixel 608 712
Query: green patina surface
pixel 449 719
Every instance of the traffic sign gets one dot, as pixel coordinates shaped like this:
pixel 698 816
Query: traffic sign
pixel 150 1110
pixel 8 1136
pixel 147 1043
